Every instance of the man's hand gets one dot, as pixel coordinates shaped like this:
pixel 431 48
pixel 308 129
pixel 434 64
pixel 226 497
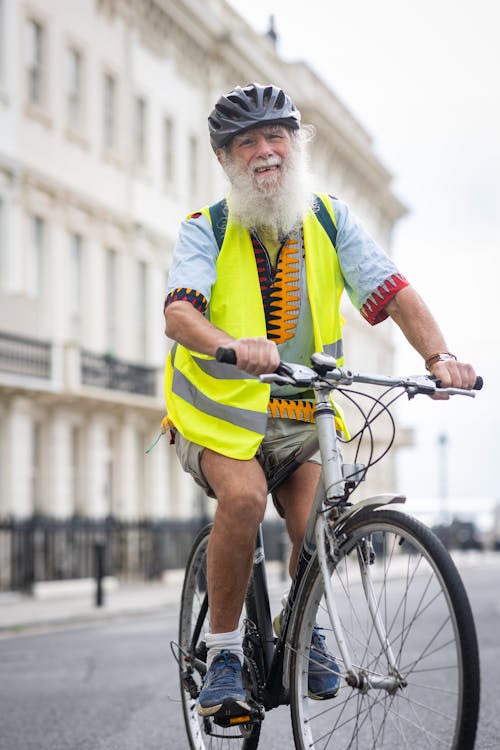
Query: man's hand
pixel 256 355
pixel 453 374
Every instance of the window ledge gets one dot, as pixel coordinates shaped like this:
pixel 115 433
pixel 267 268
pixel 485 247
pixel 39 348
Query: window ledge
pixel 39 113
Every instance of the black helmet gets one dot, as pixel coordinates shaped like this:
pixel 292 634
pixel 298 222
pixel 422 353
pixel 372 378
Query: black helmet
pixel 248 107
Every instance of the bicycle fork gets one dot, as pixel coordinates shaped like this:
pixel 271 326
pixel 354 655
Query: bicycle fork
pixel 334 495
pixel 355 678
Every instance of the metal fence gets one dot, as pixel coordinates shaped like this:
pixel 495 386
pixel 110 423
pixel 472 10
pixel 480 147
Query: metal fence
pixel 47 549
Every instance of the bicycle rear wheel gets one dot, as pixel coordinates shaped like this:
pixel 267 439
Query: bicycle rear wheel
pixel 430 696
pixel 204 734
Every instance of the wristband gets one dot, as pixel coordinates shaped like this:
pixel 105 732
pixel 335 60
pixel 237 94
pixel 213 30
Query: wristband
pixel 441 357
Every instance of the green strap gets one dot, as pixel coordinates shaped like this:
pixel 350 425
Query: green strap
pixel 325 220
pixel 218 217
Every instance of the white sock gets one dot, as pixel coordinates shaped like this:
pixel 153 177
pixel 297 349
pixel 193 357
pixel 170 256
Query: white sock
pixel 217 642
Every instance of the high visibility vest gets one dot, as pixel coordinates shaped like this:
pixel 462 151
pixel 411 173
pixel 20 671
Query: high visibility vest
pixel 223 408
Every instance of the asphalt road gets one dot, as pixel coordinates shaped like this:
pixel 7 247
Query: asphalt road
pixel 113 685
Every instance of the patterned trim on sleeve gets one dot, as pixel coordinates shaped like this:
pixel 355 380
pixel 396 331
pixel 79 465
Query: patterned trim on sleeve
pixel 197 299
pixel 374 308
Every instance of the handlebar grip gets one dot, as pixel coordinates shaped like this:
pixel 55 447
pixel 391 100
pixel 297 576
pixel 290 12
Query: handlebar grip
pixel 476 387
pixel 228 356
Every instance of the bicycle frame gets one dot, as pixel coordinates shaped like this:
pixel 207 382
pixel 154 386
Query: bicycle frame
pixel 327 503
pixel 277 670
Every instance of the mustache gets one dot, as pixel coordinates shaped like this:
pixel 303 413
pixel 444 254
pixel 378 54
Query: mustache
pixel 272 161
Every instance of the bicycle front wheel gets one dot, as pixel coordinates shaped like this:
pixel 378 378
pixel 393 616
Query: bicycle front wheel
pixel 203 733
pixel 410 636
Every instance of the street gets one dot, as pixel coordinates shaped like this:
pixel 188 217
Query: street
pixel 114 685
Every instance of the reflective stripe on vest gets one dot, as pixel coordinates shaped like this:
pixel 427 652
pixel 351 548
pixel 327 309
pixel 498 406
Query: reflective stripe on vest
pixel 217 405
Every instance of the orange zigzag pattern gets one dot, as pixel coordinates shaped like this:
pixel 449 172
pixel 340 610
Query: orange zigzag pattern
pixel 284 297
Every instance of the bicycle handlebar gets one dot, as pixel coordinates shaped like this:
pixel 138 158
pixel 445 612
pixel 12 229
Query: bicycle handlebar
pixel 325 367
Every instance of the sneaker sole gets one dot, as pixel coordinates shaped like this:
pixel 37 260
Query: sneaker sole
pixel 211 710
pixel 326 697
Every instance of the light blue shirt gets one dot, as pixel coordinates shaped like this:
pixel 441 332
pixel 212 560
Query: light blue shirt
pixel 365 267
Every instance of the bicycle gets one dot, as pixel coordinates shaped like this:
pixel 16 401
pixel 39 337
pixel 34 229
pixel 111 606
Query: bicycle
pixel 380 585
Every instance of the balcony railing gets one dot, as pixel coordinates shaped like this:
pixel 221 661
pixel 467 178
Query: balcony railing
pixel 21 355
pixel 105 371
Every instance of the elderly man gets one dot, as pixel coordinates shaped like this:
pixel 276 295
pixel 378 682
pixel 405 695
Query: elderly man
pixel 262 272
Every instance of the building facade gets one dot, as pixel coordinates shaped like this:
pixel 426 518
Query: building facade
pixel 103 150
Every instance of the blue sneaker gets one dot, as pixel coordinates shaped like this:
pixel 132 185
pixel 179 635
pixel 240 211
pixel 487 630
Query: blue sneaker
pixel 324 672
pixel 223 686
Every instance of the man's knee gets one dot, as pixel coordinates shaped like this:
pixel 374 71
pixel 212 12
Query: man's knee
pixel 246 505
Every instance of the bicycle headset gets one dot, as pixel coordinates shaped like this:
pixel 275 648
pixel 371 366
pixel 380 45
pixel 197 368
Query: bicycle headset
pixel 249 107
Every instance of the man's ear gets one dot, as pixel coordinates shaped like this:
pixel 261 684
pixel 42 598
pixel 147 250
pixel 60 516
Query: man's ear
pixel 220 156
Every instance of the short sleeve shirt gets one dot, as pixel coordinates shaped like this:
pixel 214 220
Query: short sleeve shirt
pixel 370 276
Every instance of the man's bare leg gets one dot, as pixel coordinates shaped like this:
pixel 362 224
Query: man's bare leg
pixel 241 491
pixel 296 495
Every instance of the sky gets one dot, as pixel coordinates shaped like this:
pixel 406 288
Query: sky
pixel 423 79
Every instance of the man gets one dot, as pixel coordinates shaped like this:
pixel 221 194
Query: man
pixel 262 273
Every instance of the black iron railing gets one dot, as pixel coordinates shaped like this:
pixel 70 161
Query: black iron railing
pixel 47 549
pixel 21 355
pixel 106 371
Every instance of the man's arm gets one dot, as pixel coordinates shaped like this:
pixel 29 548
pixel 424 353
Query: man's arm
pixel 414 318
pixel 185 324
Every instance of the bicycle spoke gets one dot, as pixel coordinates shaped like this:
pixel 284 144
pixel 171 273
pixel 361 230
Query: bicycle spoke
pixel 401 629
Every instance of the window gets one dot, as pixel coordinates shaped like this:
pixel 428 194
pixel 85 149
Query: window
pixel 75 291
pixel 74 89
pixel 3 43
pixel 111 300
pixel 168 151
pixel 35 260
pixel 4 265
pixel 141 308
pixel 140 131
pixel 34 468
pixel 140 444
pixel 74 470
pixel 35 62
pixel 193 165
pixel 110 489
pixel 109 109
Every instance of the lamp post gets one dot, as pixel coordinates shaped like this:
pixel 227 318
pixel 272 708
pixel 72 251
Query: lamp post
pixel 443 477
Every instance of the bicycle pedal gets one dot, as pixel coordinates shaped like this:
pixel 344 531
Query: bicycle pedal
pixel 231 714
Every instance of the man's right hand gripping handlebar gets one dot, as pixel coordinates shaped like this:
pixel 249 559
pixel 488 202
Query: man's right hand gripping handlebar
pixel 253 355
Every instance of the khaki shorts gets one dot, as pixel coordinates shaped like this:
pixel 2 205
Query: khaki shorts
pixel 283 438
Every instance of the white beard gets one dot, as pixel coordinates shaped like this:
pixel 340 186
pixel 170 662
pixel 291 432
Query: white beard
pixel 278 200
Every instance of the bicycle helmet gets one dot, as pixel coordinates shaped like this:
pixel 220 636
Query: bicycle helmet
pixel 248 107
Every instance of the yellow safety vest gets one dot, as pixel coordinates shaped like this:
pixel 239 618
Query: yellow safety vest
pixel 216 405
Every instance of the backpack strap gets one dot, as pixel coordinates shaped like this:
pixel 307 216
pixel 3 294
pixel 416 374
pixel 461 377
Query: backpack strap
pixel 326 221
pixel 218 217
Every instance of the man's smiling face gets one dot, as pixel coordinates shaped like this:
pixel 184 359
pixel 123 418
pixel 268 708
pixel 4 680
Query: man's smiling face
pixel 261 152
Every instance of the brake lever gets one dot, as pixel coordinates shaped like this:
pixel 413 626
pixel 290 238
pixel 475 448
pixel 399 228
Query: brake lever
pixel 275 377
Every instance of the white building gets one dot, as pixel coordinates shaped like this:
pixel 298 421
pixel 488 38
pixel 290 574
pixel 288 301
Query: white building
pixel 103 149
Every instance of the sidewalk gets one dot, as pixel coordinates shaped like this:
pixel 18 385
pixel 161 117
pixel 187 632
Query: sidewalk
pixel 75 604
pixel 60 604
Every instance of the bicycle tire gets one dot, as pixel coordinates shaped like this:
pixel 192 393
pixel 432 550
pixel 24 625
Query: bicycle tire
pixel 429 624
pixel 192 601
